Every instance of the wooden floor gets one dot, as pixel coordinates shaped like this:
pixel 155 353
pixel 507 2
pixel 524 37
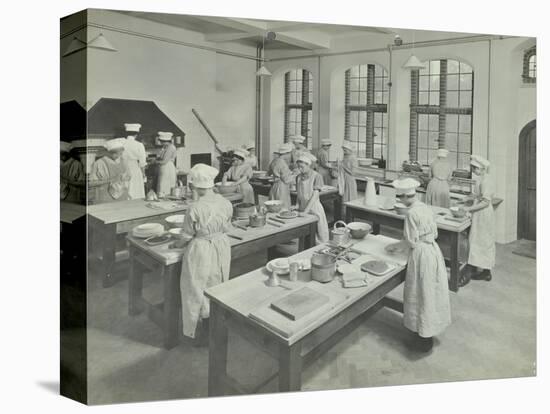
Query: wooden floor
pixel 492 336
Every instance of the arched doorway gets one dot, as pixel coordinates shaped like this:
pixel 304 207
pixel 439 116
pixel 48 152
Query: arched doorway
pixel 527 182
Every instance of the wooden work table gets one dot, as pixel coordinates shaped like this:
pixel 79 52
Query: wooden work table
pixel 328 194
pixel 165 263
pixel 108 222
pixel 452 238
pixel 234 304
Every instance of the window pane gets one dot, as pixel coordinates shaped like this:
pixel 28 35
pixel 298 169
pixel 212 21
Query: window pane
pixel 451 141
pixel 434 83
pixel 434 98
pixel 452 66
pixel 463 161
pixel 422 139
pixel 465 68
pixel 363 70
pixel 423 98
pixel 379 70
pixel 377 134
pixel 422 122
pixel 362 118
pixel 299 74
pixel 465 124
pixel 452 99
pixel 452 157
pixel 379 97
pixel 434 140
pixel 292 75
pixel 310 97
pixel 452 82
pixel 377 120
pixel 377 151
pixel 354 98
pixel 298 116
pixel 385 97
pixel 363 84
pixel 466 82
pixel 354 71
pixel 292 115
pixel 451 123
pixel 434 122
pixel 465 99
pixel 378 84
pixel 422 156
pixel 353 117
pixel 354 84
pixel 362 133
pixel 362 98
pixel 434 67
pixel 464 143
pixel 424 83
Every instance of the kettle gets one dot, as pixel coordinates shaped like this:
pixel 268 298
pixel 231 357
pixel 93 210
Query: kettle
pixel 370 193
pixel 340 235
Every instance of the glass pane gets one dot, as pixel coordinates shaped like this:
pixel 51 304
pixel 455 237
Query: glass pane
pixel 434 67
pixel 452 157
pixel 423 98
pixel 291 75
pixel 298 87
pixel 425 70
pixel 433 140
pixel 452 66
pixel 299 74
pixel 464 143
pixel 354 98
pixel 310 97
pixel 354 71
pixel 451 141
pixel 353 117
pixel 363 84
pixel 465 99
pixel 379 97
pixel 362 98
pixel 424 83
pixel 463 161
pixel 362 149
pixel 452 82
pixel 354 84
pixel 385 97
pixel 309 117
pixel 465 124
pixel 434 98
pixel 363 70
pixel 378 70
pixel 465 68
pixel 377 120
pixel 298 116
pixel 466 82
pixel 378 134
pixel 434 83
pixel 362 118
pixel 422 156
pixel 378 84
pixel 377 151
pixel 422 139
pixel 434 122
pixel 451 123
pixel 362 132
pixel 452 99
pixel 422 122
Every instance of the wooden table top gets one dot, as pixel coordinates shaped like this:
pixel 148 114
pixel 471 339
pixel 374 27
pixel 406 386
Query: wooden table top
pixel 442 221
pixel 69 212
pixel 247 293
pixel 121 211
pixel 326 190
pixel 167 256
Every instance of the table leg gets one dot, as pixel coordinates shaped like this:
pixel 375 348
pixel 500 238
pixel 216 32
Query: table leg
pixel 337 208
pixel 108 250
pixel 217 356
pixel 455 263
pixel 171 307
pixel 135 285
pixel 290 367
pixel 309 239
pixel 349 214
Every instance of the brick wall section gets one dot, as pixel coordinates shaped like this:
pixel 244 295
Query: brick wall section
pixel 305 98
pixel 442 102
pixel 347 119
pixel 413 124
pixel 287 109
pixel 370 114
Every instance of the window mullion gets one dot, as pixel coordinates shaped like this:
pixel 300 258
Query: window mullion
pixel 413 122
pixel 370 114
pixel 442 102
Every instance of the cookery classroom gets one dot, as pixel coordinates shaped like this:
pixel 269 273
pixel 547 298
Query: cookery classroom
pixel 259 206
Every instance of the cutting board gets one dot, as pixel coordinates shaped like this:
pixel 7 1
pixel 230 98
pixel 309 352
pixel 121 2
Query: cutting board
pixel 299 303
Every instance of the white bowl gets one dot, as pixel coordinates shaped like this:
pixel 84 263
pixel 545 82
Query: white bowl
pixel 280 264
pixel 179 233
pixel 176 220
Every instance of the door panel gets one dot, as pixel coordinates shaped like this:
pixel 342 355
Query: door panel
pixel 527 194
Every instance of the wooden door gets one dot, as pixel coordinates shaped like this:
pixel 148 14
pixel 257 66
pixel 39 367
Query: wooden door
pixel 527 190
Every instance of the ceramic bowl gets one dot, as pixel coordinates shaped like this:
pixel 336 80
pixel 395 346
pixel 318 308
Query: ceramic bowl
pixel 274 206
pixel 359 230
pixel 280 264
pixel 175 220
pixel 457 212
pixel 180 234
pixel 400 208
pixel 228 188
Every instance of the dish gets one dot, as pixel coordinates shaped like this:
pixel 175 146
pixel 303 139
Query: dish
pixel 375 267
pixel 179 233
pixel 146 230
pixel 176 220
pixel 228 188
pixel 274 206
pixel 287 214
pixel 359 230
pixel 457 212
pixel 280 265
pixel 400 208
pixel 163 238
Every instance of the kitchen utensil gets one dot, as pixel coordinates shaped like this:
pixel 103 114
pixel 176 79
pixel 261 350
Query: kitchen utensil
pixel 146 230
pixel 400 208
pixel 285 214
pixel 234 237
pixel 159 239
pixel 364 162
pixel 228 188
pixel 178 233
pixel 280 265
pixel 274 223
pixel 457 212
pixel 371 199
pixel 257 220
pixel 359 230
pixel 277 220
pixel 240 224
pixel 274 206
pixel 323 267
pixel 244 210
pixel 376 267
pixel 176 220
pixel 340 235
pixel 273 279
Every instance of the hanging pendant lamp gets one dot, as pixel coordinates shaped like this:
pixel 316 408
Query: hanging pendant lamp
pixel 413 63
pixel 101 42
pixel 75 45
pixel 263 71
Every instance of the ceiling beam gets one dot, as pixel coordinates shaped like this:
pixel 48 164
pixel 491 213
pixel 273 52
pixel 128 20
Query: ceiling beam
pixel 288 26
pixel 228 37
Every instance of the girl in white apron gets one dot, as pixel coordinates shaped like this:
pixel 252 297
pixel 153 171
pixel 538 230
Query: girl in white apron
pixel 167 168
pixel 135 157
pixel 426 303
pixel 280 190
pixel 323 161
pixel 308 186
pixel 438 192
pixel 299 149
pixel 113 169
pixel 241 172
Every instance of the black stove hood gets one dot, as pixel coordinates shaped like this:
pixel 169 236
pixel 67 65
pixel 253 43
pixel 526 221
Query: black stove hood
pixel 72 124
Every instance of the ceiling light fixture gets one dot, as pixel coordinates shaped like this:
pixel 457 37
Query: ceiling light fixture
pixel 101 42
pixel 75 45
pixel 413 63
pixel 263 71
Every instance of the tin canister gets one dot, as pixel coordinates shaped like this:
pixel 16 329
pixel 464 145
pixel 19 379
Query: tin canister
pixel 294 268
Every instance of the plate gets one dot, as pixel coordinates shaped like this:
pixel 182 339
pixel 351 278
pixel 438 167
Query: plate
pixel 146 235
pixel 376 267
pixel 292 215
pixel 269 267
pixel 160 239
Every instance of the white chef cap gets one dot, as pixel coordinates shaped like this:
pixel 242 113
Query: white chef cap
pixel 442 152
pixel 479 161
pixel 165 136
pixel 325 142
pixel 132 127
pixel 241 153
pixel 348 145
pixel 307 158
pixel 65 146
pixel 405 186
pixel 284 149
pixel 202 175
pixel 251 144
pixel 115 144
pixel 297 138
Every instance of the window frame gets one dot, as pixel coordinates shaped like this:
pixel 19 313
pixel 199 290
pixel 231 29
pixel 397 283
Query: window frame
pixel 305 109
pixel 527 55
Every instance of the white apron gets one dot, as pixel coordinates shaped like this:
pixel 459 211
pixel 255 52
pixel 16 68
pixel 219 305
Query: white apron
pixel 135 157
pixel 280 190
pixel 427 309
pixel 206 259
pixel 346 181
pixel 438 192
pixel 482 232
pixel 323 166
pixel 236 173
pixel 304 189
pixel 167 177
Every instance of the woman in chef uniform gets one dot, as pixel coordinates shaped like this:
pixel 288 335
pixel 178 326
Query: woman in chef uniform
pixel 427 308
pixel 437 192
pixel 308 186
pixel 241 172
pixel 323 161
pixel 207 256
pixel 167 168
pixel 111 168
pixel 135 157
pixel 299 149
pixel 251 157
pixel 482 231
pixel 348 189
pixel 71 170
pixel 280 190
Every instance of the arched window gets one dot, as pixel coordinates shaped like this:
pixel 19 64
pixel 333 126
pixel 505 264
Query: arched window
pixel 530 65
pixel 298 104
pixel 441 112
pixel 366 120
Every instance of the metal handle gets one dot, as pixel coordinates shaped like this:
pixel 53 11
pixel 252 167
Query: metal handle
pixel 341 222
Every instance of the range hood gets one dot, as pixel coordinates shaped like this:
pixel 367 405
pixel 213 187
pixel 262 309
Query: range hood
pixel 72 117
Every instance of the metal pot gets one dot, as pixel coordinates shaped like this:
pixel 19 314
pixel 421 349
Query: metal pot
pixel 323 267
pixel 178 192
pixel 340 235
pixel 244 210
pixel 257 220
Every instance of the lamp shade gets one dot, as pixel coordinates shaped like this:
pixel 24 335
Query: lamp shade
pixel 75 45
pixel 413 64
pixel 101 42
pixel 263 71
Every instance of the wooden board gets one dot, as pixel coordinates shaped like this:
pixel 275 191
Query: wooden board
pixel 299 303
